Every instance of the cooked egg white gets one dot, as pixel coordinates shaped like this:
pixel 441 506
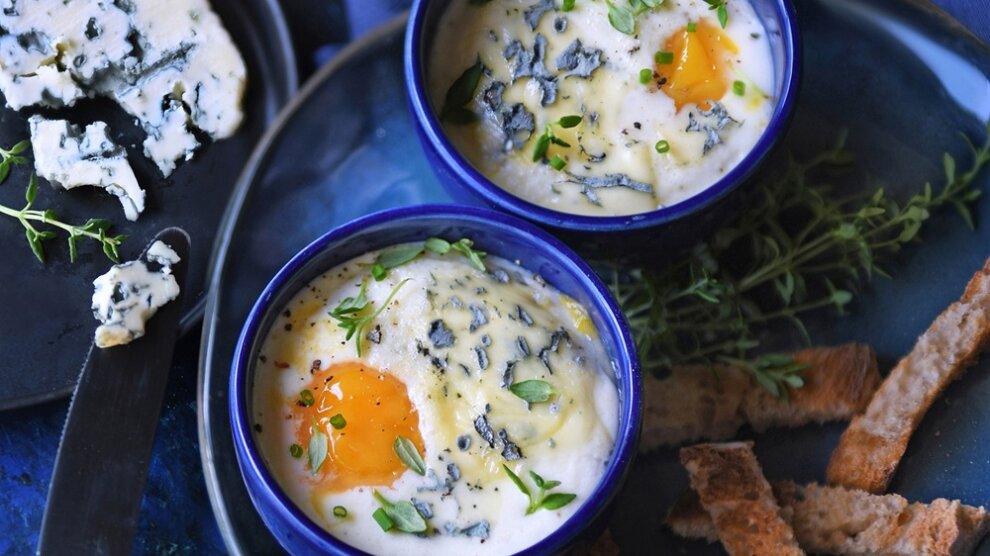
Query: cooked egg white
pixel 433 370
pixel 623 119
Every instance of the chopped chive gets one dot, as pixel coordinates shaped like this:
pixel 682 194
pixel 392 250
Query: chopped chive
pixel 557 162
pixel 306 396
pixel 664 57
pixel 645 75
pixel 662 146
pixel 692 27
pixel 338 422
pixel 382 519
pixel 567 6
pixel 738 87
pixel 296 451
pixel 340 511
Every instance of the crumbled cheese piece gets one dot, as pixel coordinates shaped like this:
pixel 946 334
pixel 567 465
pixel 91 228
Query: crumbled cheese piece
pixel 172 65
pixel 70 157
pixel 130 293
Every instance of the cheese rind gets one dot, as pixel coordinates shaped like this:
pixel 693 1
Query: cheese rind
pixel 131 293
pixel 70 157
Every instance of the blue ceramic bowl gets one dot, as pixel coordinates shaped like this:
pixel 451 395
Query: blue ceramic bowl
pixel 496 233
pixel 609 234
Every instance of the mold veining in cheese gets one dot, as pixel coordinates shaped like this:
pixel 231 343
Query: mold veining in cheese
pixel 171 65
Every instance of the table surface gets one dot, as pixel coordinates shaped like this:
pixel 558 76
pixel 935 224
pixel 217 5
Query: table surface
pixel 175 516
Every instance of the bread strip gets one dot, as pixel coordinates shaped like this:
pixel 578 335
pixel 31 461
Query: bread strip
pixel 697 402
pixel 836 520
pixel 732 489
pixel 871 448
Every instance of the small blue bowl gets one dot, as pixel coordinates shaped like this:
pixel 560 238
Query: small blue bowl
pixel 498 234
pixel 682 223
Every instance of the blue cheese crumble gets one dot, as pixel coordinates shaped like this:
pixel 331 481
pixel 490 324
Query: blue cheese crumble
pixel 131 293
pixel 171 65
pixel 70 157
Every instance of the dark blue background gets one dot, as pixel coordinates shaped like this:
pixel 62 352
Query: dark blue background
pixel 175 514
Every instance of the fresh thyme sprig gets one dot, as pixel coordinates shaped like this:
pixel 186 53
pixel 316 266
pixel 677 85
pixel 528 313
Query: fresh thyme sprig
pixel 720 9
pixel 94 228
pixel 353 314
pixel 800 248
pixel 8 158
pixel 548 137
pixel 539 498
pixel 623 19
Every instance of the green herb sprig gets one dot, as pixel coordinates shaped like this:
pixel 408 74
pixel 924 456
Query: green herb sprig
pixel 11 157
pixel 800 248
pixel 353 314
pixel 401 515
pixel 623 19
pixel 94 228
pixel 540 499
pixel 398 255
pixel 548 137
pixel 720 9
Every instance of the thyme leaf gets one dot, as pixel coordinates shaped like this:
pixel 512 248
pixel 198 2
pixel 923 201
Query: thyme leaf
pixel 539 498
pixel 352 314
pixel 94 228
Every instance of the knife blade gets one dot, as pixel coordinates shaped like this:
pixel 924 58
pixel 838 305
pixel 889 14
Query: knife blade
pixel 103 457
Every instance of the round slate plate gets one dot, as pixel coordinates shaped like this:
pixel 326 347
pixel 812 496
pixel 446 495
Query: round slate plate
pixel 45 323
pixel 900 76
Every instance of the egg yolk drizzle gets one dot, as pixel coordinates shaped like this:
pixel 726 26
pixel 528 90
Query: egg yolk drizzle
pixel 700 71
pixel 376 409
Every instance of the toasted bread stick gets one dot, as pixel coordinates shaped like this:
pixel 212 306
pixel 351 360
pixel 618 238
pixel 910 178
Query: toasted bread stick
pixel 871 448
pixel 696 402
pixel 732 489
pixel 836 520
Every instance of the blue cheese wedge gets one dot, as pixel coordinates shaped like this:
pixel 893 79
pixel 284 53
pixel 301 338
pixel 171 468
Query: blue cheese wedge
pixel 130 293
pixel 172 65
pixel 70 157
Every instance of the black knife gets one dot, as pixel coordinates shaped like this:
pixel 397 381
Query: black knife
pixel 103 458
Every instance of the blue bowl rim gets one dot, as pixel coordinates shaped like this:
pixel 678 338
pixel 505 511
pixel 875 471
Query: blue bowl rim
pixel 429 125
pixel 628 370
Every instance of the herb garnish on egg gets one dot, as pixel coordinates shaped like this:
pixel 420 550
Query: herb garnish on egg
pixel 407 452
pixel 401 515
pixel 540 498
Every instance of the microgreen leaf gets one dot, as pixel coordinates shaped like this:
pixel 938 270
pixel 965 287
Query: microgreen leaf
pixel 542 145
pixel 621 19
pixel 460 93
pixel 568 122
pixel 319 444
pixel 407 452
pixel 437 245
pixel 540 499
pixel 464 246
pixel 533 391
pixel 398 255
pixel 402 514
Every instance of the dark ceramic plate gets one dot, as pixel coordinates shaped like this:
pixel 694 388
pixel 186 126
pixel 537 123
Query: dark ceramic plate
pixel 46 326
pixel 900 76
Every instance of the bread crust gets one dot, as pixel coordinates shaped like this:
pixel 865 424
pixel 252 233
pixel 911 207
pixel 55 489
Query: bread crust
pixel 732 489
pixel 697 402
pixel 872 446
pixel 837 520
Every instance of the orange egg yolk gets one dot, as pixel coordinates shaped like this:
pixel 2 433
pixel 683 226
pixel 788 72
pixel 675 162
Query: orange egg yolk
pixel 702 58
pixel 375 408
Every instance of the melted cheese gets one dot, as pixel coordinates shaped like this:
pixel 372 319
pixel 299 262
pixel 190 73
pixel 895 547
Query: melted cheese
pixel 452 381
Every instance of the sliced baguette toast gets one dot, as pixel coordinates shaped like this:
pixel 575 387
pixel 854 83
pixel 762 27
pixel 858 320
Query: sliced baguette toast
pixel 696 402
pixel 836 520
pixel 732 489
pixel 871 448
